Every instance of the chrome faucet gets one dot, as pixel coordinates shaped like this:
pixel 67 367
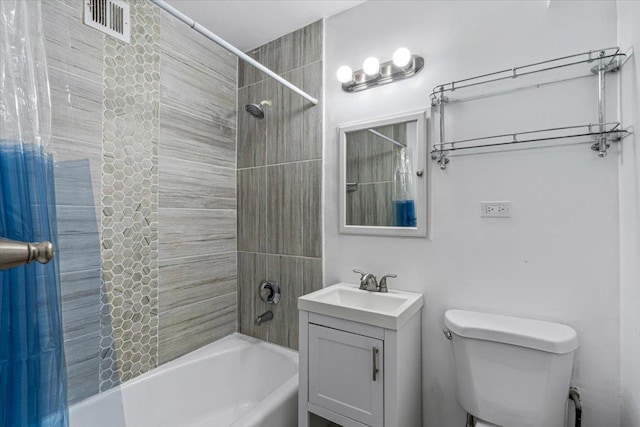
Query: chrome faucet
pixel 264 317
pixel 369 282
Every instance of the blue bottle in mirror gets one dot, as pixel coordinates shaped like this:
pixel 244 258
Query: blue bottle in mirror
pixel 404 207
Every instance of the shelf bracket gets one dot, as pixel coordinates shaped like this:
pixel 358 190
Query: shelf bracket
pixel 603 140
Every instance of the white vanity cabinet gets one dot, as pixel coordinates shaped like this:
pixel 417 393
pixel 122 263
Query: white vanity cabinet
pixel 359 374
pixel 345 375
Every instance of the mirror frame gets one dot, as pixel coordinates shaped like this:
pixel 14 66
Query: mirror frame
pixel 421 182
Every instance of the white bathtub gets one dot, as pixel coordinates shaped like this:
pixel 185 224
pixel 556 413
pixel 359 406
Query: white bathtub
pixel 237 381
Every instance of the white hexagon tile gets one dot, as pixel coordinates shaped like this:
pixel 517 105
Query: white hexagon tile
pixel 129 295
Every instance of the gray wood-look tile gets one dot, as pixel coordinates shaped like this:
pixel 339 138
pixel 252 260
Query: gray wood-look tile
pixel 76 220
pixel 185 232
pixel 284 209
pixel 285 53
pixel 293 209
pixel 284 124
pixel 192 326
pixel 189 137
pixel 79 252
pixel 181 87
pixel 184 281
pixel 80 303
pixel 71 154
pixel 296 277
pixel 77 112
pixel 195 50
pixel 312 271
pixel 83 361
pixel 288 272
pixel 311 184
pixel 312 39
pixel 370 205
pixel 252 132
pixel 185 184
pixel 371 156
pixel 248 74
pixel 70 45
pixel 312 114
pixel 252 204
pixel 252 269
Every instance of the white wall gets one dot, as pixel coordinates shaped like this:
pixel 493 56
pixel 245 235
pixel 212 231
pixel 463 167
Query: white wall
pixel 629 35
pixel 557 258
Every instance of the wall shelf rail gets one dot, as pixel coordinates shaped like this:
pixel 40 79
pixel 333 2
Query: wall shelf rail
pixel 603 133
pixel 611 132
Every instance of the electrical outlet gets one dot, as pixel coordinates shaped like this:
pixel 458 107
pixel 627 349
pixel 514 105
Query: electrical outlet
pixel 495 209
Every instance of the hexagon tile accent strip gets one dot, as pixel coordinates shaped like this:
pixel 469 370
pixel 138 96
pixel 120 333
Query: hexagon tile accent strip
pixel 129 295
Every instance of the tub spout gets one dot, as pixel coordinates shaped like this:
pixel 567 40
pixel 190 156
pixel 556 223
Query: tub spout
pixel 264 317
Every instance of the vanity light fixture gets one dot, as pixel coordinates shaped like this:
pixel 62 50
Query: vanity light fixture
pixel 401 57
pixel 345 74
pixel 402 66
pixel 371 66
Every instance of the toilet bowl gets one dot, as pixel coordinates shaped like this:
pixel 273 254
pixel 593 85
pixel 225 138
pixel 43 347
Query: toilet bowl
pixel 510 371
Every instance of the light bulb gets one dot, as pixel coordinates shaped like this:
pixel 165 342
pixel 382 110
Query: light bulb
pixel 345 74
pixel 371 66
pixel 402 57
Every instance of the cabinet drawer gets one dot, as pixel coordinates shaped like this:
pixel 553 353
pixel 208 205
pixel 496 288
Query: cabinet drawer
pixel 346 374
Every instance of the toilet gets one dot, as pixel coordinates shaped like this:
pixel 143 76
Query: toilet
pixel 511 372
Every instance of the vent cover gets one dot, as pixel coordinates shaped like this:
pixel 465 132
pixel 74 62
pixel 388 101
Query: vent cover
pixel 109 16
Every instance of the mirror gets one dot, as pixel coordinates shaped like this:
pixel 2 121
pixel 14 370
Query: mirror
pixel 383 176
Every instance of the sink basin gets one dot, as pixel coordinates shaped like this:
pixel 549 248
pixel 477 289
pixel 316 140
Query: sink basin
pixel 388 310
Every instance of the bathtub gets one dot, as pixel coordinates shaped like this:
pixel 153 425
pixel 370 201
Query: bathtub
pixel 237 381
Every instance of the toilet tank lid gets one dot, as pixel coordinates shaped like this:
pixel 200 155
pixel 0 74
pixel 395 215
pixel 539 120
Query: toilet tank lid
pixel 537 334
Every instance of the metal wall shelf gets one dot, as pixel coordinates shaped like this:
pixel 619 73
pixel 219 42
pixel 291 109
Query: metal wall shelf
pixel 606 60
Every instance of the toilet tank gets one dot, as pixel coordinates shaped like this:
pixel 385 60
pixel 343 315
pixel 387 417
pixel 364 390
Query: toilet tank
pixel 511 371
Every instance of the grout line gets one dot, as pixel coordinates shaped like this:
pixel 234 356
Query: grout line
pixel 100 83
pixel 210 165
pixel 85 336
pixel 281 164
pixel 61 138
pixel 284 72
pixel 198 116
pixel 285 255
pixel 374 182
pixel 195 256
pixel 196 209
pixel 182 307
pixel 81 271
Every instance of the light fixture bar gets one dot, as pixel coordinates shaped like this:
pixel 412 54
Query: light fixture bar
pixel 389 73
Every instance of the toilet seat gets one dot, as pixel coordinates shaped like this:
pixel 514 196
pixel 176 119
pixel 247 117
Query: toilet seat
pixel 481 423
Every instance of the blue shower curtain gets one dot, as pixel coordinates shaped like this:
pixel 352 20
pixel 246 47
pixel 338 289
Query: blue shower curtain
pixel 32 365
pixel 32 368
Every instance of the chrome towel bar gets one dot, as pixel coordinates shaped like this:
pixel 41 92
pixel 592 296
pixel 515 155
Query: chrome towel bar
pixel 14 254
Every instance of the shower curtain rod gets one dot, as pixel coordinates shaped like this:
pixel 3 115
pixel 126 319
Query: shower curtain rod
pixel 231 48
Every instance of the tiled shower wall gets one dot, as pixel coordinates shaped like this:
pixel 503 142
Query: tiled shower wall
pixel 280 183
pixel 144 139
pixel 371 164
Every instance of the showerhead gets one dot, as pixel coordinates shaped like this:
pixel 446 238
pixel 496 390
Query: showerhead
pixel 256 110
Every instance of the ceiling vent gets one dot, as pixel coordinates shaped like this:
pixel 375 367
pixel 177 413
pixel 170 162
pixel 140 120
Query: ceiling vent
pixel 109 16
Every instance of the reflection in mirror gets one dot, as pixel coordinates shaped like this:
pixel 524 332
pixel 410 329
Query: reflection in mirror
pixel 380 170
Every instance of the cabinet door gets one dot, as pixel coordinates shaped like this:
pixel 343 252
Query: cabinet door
pixel 341 374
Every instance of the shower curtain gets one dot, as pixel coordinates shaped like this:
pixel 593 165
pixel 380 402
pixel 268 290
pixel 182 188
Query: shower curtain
pixel 32 365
